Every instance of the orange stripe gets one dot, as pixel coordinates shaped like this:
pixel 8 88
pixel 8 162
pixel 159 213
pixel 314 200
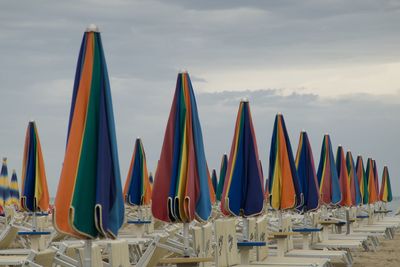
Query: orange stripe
pixel 288 195
pixel 70 165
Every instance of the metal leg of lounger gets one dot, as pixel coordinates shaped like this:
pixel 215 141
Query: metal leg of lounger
pixel 144 260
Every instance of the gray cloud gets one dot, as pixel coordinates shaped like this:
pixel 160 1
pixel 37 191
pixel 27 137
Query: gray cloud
pixel 147 42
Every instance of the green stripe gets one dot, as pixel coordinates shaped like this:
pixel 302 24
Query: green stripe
pixel 85 194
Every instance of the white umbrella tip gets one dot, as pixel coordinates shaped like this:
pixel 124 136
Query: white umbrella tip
pixel 279 113
pixel 244 99
pixel 303 130
pixel 92 28
pixel 183 71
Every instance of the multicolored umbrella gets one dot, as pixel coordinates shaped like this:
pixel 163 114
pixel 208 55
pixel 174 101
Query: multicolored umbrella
pixel 4 185
pixel 284 185
pixel 14 190
pixel 372 194
pixel 362 179
pixel 182 189
pixel 89 201
pixel 329 187
pixel 34 191
pixel 243 192
pixel 386 188
pixel 356 197
pixel 214 180
pixel 344 180
pixel 307 175
pixel 376 177
pixel 137 190
pixel 222 174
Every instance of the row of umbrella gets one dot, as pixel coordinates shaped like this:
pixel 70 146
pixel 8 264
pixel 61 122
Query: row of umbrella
pixel 90 200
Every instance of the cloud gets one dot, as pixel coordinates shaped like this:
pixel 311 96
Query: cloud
pixel 328 66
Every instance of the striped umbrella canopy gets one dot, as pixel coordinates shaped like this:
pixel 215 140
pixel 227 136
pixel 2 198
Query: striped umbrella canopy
pixel 376 177
pixel 284 184
pixel 34 191
pixel 329 186
pixel 385 194
pixel 222 174
pixel 372 194
pixel 214 180
pixel 89 201
pixel 14 190
pixel 137 190
pixel 4 185
pixel 307 174
pixel 362 179
pixel 356 197
pixel 344 179
pixel 243 192
pixel 182 188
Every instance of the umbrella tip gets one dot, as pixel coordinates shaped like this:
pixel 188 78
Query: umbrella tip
pixel 92 28
pixel 303 130
pixel 279 113
pixel 244 99
pixel 4 159
pixel 183 71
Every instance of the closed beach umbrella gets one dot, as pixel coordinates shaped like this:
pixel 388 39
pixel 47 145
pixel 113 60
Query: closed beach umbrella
pixel 376 178
pixel 14 190
pixel 137 190
pixel 356 197
pixel 372 194
pixel 214 180
pixel 284 185
pixel 307 174
pixel 181 190
pixel 362 179
pixel 34 191
pixel 329 187
pixel 385 194
pixel 222 174
pixel 89 201
pixel 344 180
pixel 4 185
pixel 243 193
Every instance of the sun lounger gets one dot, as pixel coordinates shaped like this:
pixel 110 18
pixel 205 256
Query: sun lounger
pixel 227 252
pixel 34 259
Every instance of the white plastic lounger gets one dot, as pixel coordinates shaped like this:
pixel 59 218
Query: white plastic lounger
pixel 227 252
pixel 34 259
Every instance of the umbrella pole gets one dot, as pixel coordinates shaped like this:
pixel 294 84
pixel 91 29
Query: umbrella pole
pixel 246 229
pixel 186 239
pixel 34 221
pixel 87 253
pixel 140 213
pixel 280 220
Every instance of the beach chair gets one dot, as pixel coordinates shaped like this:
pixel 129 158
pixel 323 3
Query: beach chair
pixel 321 240
pixel 202 238
pixel 226 250
pixel 33 259
pixel 337 256
pixel 8 236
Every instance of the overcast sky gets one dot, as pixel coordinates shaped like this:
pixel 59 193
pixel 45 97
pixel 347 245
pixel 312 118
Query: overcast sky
pixel 329 66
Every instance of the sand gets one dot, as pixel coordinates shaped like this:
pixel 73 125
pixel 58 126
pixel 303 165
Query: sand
pixel 387 255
